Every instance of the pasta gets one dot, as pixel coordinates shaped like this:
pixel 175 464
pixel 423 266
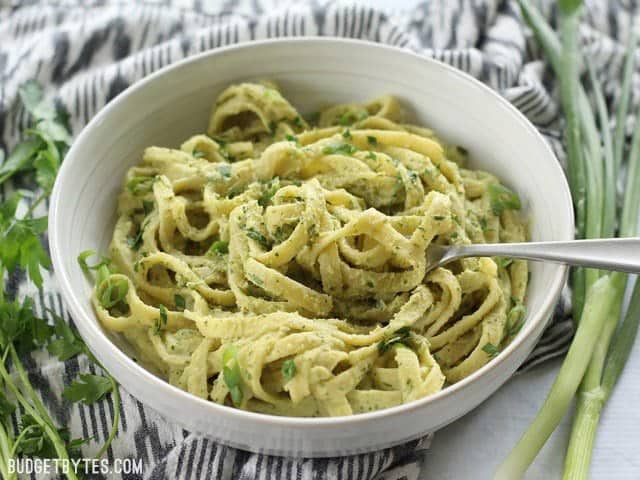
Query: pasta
pixel 278 265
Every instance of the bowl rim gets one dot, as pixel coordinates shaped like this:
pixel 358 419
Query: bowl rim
pixel 92 331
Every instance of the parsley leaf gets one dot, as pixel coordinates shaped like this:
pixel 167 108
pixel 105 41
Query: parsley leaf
pixel 6 407
pixel 18 325
pixel 20 241
pixel 66 343
pixel 89 389
pixel 33 100
pixel 491 350
pixel 35 442
pixel 20 158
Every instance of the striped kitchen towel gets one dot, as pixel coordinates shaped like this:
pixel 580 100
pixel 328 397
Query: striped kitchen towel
pixel 86 52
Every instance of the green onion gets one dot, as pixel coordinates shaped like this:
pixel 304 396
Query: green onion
pixel 623 104
pixel 598 305
pixel 140 185
pixel 86 268
pixel 112 292
pixel 594 360
pixel 289 369
pixel 231 374
pixel 400 336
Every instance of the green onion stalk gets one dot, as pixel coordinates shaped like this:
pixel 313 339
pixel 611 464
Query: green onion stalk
pixel 609 356
pixel 602 343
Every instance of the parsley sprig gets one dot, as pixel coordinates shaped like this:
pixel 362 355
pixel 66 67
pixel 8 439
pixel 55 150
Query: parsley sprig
pixel 36 160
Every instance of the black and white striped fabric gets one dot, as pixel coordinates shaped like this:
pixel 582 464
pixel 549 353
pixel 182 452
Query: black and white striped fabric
pixel 86 52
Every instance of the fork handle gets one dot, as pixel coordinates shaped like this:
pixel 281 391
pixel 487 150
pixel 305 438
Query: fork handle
pixel 621 254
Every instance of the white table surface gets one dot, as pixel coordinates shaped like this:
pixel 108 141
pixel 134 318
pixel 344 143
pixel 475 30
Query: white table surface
pixel 472 447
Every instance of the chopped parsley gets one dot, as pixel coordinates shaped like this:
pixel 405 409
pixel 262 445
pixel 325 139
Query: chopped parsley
pixel 501 199
pixel 197 153
pixel 253 234
pixel 225 170
pixel 515 319
pixel 343 148
pixel 503 262
pixel 291 138
pixel 222 143
pixel 135 242
pixel 268 191
pixel 147 206
pixel 220 247
pixel 349 118
pixel 372 140
pixel 180 302
pixel 140 185
pixel 347 134
pixel 161 321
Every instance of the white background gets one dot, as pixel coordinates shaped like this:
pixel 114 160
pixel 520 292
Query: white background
pixel 472 447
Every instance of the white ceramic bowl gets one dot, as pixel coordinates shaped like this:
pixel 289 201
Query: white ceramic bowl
pixel 174 103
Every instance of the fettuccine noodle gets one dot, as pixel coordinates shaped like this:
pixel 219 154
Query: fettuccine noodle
pixel 279 267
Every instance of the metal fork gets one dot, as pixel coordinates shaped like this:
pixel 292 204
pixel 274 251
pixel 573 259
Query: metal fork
pixel 622 254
